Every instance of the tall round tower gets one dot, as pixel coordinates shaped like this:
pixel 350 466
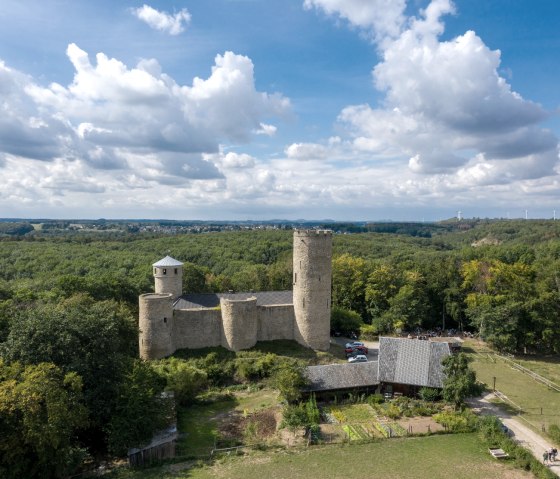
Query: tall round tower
pixel 156 325
pixel 312 287
pixel 168 276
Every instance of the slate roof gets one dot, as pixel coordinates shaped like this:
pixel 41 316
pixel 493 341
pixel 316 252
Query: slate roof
pixel 212 300
pixel 412 361
pixel 168 261
pixel 341 376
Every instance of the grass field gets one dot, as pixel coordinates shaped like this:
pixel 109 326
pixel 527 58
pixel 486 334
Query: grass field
pixel 539 405
pixel 199 427
pixel 461 456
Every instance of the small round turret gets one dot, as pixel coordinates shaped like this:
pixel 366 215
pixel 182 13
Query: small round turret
pixel 239 318
pixel 156 325
pixel 168 276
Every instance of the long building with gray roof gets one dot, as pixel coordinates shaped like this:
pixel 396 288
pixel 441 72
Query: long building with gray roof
pixel 403 364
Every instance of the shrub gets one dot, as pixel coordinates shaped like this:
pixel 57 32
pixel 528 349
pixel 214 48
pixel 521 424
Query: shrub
pixel 183 379
pixel 369 332
pixel 254 365
pixel 294 416
pixel 430 394
pixel 289 380
pixel 375 399
pixel 393 411
pixel 464 421
pixel 219 370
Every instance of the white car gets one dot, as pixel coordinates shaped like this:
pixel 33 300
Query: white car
pixel 359 358
pixel 354 344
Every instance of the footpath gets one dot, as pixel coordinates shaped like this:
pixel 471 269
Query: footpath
pixel 522 433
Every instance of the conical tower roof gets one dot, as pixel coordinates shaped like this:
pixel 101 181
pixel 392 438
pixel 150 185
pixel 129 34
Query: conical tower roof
pixel 167 262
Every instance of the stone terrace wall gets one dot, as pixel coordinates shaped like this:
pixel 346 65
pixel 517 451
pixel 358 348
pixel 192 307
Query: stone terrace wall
pixel 197 328
pixel 275 322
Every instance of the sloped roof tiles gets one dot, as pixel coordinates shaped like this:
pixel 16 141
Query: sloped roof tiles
pixel 412 361
pixel 341 376
pixel 168 261
pixel 212 300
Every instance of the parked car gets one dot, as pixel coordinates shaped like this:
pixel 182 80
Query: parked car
pixel 356 350
pixel 506 430
pixel 359 358
pixel 354 343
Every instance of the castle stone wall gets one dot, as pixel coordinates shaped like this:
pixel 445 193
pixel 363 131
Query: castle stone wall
pixel 239 320
pixel 238 324
pixel 312 287
pixel 275 322
pixel 155 324
pixel 197 328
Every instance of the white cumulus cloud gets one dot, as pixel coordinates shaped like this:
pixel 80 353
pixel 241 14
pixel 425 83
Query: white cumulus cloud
pixel 385 18
pixel 306 151
pixel 174 24
pixel 445 103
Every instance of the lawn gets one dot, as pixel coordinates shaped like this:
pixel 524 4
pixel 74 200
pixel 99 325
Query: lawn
pixel 199 425
pixel 539 405
pixel 461 455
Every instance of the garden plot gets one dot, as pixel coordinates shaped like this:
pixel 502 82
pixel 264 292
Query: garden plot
pixel 364 421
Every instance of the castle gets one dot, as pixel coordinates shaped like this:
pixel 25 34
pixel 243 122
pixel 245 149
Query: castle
pixel 170 320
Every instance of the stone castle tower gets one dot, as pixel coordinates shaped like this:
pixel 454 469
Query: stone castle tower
pixel 156 310
pixel 169 320
pixel 312 287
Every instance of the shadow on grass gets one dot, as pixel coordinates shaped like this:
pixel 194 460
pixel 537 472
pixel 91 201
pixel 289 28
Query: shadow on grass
pixel 506 407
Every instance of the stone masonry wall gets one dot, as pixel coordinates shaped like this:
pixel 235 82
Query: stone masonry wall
pixel 155 324
pixel 275 322
pixel 312 287
pixel 239 321
pixel 197 328
pixel 169 280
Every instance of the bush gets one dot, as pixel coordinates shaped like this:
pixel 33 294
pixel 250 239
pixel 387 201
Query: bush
pixel 183 379
pixel 289 380
pixel 393 411
pixel 254 365
pixel 219 369
pixel 369 332
pixel 464 421
pixel 294 416
pixel 430 394
pixel 375 399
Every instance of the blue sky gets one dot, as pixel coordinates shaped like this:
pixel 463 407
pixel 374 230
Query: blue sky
pixel 254 109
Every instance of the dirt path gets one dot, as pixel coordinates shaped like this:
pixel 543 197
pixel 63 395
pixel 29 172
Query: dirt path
pixel 521 432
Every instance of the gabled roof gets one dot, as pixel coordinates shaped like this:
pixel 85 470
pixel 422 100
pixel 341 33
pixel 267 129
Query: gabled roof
pixel 212 300
pixel 168 261
pixel 341 376
pixel 412 361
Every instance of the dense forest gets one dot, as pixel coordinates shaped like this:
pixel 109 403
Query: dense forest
pixel 68 313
